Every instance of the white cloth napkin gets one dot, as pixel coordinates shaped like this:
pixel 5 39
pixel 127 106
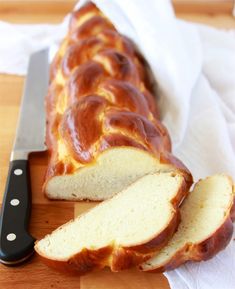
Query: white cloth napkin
pixel 194 66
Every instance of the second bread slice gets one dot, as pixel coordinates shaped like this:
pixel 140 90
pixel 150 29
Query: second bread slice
pixel 120 232
pixel 205 229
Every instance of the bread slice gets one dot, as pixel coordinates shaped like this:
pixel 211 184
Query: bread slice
pixel 205 229
pixel 120 232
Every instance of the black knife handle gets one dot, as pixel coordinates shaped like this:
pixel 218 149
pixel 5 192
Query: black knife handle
pixel 15 241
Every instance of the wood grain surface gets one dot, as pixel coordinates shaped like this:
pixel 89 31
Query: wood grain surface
pixel 47 215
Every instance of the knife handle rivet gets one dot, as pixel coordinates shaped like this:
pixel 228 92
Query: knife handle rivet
pixel 14 202
pixel 18 172
pixel 11 237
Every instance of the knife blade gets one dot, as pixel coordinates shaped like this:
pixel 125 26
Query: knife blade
pixel 16 244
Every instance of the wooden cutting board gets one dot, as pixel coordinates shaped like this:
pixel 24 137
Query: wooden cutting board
pixel 47 215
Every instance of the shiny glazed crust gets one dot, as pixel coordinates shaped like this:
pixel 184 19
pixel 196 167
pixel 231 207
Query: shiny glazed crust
pixel 100 97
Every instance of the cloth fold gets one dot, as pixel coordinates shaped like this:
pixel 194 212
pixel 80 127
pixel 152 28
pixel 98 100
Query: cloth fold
pixel 194 67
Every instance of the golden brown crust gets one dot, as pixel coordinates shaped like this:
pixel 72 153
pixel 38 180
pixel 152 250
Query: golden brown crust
pixel 100 96
pixel 232 211
pixel 123 258
pixel 202 251
pixel 117 258
pixel 80 264
pixel 168 158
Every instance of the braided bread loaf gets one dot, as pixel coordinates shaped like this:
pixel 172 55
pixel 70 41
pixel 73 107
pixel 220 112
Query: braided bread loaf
pixel 103 130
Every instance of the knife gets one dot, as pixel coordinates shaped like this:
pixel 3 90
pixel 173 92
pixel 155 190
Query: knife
pixel 16 244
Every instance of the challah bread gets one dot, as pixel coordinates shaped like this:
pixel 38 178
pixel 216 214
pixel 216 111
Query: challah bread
pixel 103 131
pixel 120 232
pixel 205 229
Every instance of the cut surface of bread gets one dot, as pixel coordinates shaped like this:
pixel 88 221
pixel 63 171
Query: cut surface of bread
pixel 205 228
pixel 113 170
pixel 120 232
